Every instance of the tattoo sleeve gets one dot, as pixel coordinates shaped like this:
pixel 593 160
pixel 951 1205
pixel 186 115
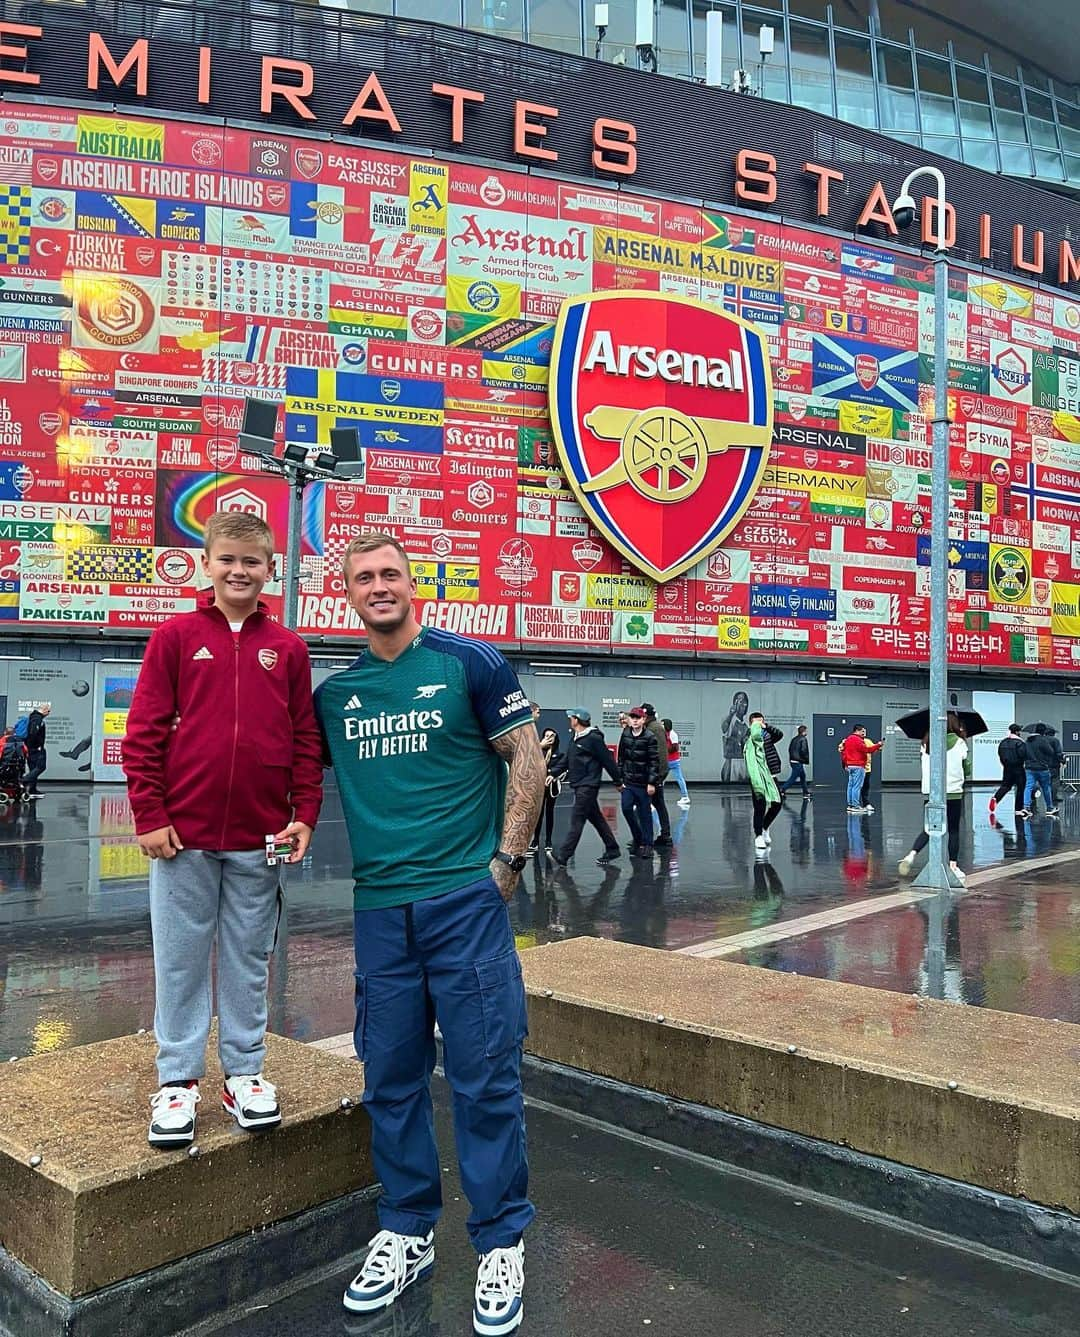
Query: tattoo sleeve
pixel 520 749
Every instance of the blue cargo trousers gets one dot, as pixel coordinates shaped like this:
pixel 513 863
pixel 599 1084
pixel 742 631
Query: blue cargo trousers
pixel 449 959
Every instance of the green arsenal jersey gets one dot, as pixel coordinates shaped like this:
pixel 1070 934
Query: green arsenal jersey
pixel 421 787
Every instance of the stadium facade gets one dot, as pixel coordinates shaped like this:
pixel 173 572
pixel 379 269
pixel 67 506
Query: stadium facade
pixel 376 222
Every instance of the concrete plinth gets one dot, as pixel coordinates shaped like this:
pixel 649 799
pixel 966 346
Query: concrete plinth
pixel 862 1068
pixel 103 1206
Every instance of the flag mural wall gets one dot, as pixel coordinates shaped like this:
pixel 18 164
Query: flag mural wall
pixel 153 275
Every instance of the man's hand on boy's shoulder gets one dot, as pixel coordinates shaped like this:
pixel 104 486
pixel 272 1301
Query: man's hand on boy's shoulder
pixel 163 843
pixel 300 834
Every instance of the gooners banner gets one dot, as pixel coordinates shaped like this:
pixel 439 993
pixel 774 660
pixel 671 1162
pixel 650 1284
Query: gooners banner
pixel 662 413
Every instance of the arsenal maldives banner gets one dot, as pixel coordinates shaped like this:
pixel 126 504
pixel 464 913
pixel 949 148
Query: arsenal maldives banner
pixel 734 458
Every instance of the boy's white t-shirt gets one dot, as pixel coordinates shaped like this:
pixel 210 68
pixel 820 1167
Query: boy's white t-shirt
pixel 235 626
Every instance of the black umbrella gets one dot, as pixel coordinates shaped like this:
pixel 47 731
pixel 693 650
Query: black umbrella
pixel 917 724
pixel 1037 727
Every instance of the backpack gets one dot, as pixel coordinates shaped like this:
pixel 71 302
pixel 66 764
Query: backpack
pixel 22 725
pixel 13 757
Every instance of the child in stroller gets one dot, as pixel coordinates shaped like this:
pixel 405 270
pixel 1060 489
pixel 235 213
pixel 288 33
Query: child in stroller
pixel 12 769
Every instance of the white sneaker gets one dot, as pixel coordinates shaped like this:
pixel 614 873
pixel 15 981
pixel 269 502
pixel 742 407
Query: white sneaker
pixel 767 838
pixel 172 1121
pixel 252 1101
pixel 906 863
pixel 500 1279
pixel 869 808
pixel 393 1262
pixel 958 872
pixel 684 803
pixel 760 843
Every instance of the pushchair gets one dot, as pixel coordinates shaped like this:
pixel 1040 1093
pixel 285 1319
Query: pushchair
pixel 12 772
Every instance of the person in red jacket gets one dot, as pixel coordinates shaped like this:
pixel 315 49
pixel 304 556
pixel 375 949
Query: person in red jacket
pixel 222 749
pixel 854 751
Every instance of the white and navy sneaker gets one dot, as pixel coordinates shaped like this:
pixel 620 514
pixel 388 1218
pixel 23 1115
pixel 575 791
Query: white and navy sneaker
pixel 393 1262
pixel 172 1118
pixel 500 1279
pixel 252 1101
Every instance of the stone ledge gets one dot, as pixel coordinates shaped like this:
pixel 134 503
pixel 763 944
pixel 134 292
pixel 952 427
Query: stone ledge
pixel 870 1069
pixel 103 1205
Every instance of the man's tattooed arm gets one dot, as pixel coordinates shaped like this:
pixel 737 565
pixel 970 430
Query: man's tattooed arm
pixel 520 749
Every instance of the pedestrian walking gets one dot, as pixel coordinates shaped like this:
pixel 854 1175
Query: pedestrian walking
pixel 1038 763
pixel 555 774
pixel 957 771
pixel 799 757
pixel 663 836
pixel 588 758
pixel 854 751
pixel 441 776
pixel 1055 768
pixel 763 789
pixel 674 757
pixel 639 763
pixel 221 753
pixel 1011 754
pixel 36 759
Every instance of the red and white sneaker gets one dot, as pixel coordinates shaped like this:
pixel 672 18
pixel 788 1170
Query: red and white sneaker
pixel 252 1101
pixel 993 806
pixel 172 1118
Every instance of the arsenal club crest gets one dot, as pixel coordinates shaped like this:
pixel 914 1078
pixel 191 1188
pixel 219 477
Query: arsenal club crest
pixel 268 658
pixel 662 412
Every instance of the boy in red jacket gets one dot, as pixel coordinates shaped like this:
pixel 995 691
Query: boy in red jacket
pixel 222 749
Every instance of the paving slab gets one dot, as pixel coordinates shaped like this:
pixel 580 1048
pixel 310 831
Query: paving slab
pixel 859 1067
pixel 103 1205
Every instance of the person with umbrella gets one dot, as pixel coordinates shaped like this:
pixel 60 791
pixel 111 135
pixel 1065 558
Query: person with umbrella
pixel 957 770
pixel 1039 757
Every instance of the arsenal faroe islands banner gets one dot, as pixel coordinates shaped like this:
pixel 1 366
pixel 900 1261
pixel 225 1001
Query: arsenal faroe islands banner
pixel 597 420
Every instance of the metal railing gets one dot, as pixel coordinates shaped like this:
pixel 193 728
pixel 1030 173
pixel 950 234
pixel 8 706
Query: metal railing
pixel 1070 772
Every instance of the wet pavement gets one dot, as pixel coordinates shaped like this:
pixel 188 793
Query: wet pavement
pixel 632 1237
pixel 75 962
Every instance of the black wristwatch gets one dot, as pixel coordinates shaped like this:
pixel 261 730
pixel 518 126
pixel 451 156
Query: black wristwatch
pixel 515 862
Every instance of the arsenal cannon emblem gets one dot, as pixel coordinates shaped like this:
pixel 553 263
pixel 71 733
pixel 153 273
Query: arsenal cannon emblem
pixel 662 413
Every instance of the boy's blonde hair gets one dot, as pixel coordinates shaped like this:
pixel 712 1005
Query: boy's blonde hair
pixel 241 526
pixel 369 542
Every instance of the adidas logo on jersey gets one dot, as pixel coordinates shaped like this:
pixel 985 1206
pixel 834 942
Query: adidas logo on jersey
pixel 204 653
pixel 354 703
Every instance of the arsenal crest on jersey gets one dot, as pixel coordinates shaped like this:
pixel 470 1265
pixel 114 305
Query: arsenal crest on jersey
pixel 268 658
pixel 662 412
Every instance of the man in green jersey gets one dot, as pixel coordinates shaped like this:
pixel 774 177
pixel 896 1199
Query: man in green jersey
pixel 441 779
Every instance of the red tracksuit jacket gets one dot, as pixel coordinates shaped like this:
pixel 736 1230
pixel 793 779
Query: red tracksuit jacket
pixel 222 742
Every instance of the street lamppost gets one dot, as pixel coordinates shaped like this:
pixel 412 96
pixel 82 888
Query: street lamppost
pixel 299 465
pixel 937 874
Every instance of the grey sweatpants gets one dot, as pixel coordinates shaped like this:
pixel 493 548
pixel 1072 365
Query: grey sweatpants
pixel 194 897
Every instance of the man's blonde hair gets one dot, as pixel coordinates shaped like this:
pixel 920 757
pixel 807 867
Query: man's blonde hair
pixel 369 542
pixel 241 526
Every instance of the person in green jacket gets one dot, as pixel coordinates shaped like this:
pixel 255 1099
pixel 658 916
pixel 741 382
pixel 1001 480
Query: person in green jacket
pixel 763 788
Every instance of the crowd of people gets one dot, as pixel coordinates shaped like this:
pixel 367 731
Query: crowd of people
pixel 647 753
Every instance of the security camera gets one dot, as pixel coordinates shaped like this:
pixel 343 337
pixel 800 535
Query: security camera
pixel 904 211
